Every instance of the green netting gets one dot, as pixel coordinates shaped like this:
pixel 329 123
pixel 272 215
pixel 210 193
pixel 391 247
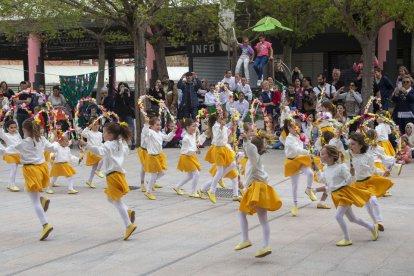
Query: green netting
pixel 76 87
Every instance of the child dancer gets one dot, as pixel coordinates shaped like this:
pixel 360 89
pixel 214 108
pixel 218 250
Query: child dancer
pixel 218 154
pixel 11 138
pixel 383 131
pixel 155 162
pixel 338 178
pixel 297 161
pixel 188 161
pixel 61 166
pixel 259 196
pixel 366 175
pixel 35 169
pixel 114 151
pixel 94 137
pixel 143 153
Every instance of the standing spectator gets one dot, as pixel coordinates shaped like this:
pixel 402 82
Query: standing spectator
pixel 189 102
pixel 245 88
pixel 404 103
pixel 264 53
pixel 171 93
pixel 384 87
pixel 296 74
pixel 337 82
pixel 124 107
pixel 266 97
pixel 402 72
pixel 22 101
pixel 323 85
pixel 228 77
pixel 245 58
pixel 158 94
pixel 352 101
pixel 299 95
pixel 280 75
pixel 4 88
pixel 107 101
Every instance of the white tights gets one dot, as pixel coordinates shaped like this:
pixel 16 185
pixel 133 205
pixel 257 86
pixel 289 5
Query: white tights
pixel 153 177
pixel 347 211
pixel 193 176
pixel 70 182
pixel 12 177
pixel 95 167
pixel 295 181
pixel 374 210
pixel 244 225
pixel 35 198
pixel 122 209
pixel 212 185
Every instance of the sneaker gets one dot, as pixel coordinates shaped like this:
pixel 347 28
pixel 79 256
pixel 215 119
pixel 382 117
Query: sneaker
pixel 237 198
pixel 50 191
pixel 131 228
pixel 13 188
pixel 178 191
pixel 212 197
pixel 202 194
pixel 311 195
pixel 90 184
pixel 374 233
pixel 344 243
pixel 263 252
pixel 243 245
pixel 45 203
pixel 194 195
pixel 72 192
pixel 323 206
pixel 221 183
pixel 46 231
pixel 131 215
pixel 294 211
pixel 100 174
pixel 150 196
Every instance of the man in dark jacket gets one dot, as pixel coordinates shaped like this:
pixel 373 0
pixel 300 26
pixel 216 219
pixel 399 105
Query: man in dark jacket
pixel 384 86
pixel 189 88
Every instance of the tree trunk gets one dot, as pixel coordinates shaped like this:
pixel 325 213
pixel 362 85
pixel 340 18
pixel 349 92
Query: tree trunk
pixel 101 68
pixel 160 61
pixel 287 55
pixel 368 53
pixel 140 82
pixel 412 51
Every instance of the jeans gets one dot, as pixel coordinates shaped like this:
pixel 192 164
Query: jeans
pixel 277 145
pixel 245 61
pixel 21 117
pixel 190 112
pixel 258 65
pixel 130 121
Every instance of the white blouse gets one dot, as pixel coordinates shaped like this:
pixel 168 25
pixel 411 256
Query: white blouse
pixel 254 167
pixel 113 154
pixel 189 144
pixel 326 116
pixel 63 155
pixel 364 166
pixel 144 136
pixel 155 139
pixel 335 176
pixel 283 115
pixel 379 155
pixel 210 99
pixel 294 146
pixel 383 130
pixel 11 140
pixel 94 137
pixel 220 135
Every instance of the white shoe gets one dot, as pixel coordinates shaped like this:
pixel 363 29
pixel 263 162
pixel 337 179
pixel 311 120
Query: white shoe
pixel 259 82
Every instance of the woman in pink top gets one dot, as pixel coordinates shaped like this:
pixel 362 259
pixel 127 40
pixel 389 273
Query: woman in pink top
pixel 264 52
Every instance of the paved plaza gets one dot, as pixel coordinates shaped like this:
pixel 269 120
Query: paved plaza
pixel 178 235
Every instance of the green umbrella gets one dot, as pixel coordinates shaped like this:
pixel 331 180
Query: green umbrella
pixel 269 23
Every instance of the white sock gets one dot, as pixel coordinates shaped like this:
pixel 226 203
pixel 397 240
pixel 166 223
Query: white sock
pixel 309 176
pixel 295 181
pixel 93 170
pixel 352 218
pixel 244 226
pixel 185 180
pixel 123 211
pixel 235 186
pixel 70 182
pixel 12 176
pixel 340 212
pixel 35 198
pixel 262 214
pixel 52 182
pixel 376 209
pixel 216 179
pixel 194 181
pixel 151 182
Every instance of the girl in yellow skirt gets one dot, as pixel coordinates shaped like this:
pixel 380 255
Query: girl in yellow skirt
pixel 94 137
pixel 338 178
pixel 297 160
pixel 259 196
pixel 61 165
pixel 188 161
pixel 367 176
pixel 35 169
pixel 143 153
pixel 114 151
pixel 218 153
pixel 383 130
pixel 155 162
pixel 11 138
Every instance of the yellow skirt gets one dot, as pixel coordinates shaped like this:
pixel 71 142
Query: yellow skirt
pixel 319 164
pixel 116 186
pixel 260 195
pixel 230 175
pixel 292 166
pixel 142 154
pixel 209 155
pixel 47 157
pixel 283 134
pixel 389 150
pixel 349 195
pixel 380 166
pixel 12 158
pixel 36 177
pixel 92 158
pixel 376 185
pixel 243 163
pixel 328 128
pixel 188 163
pixel 62 169
pixel 223 156
pixel 155 163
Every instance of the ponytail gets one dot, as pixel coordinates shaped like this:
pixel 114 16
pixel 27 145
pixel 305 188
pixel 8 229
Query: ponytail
pixel 32 128
pixel 119 129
